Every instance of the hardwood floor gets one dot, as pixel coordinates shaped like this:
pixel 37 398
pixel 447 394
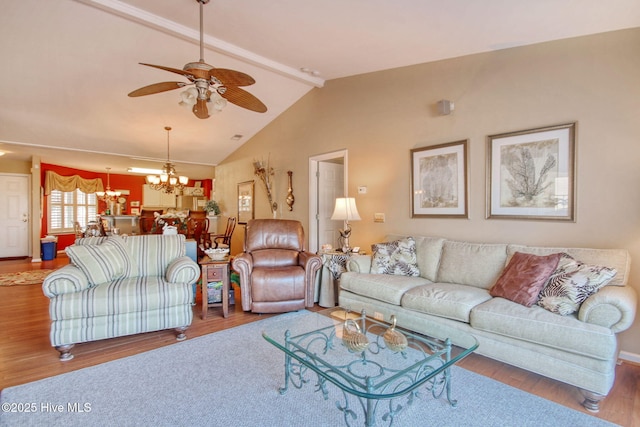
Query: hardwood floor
pixel 26 354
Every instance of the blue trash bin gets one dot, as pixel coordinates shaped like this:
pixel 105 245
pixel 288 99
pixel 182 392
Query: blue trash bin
pixel 48 250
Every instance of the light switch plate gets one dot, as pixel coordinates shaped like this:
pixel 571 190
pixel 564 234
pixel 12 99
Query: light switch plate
pixel 362 190
pixel 378 217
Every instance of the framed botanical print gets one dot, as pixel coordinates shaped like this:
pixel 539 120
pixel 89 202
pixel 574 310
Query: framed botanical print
pixel 245 201
pixel 531 174
pixel 439 181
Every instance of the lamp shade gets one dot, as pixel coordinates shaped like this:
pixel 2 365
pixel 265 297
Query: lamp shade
pixel 345 209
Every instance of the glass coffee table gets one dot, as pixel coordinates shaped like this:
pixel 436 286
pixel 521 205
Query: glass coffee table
pixel 373 369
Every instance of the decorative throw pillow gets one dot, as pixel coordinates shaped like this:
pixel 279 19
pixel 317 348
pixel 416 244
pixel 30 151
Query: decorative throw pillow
pixel 101 263
pixel 571 284
pixel 524 277
pixel 397 257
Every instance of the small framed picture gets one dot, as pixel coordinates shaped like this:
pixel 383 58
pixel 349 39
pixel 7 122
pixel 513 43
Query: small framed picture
pixel 531 174
pixel 439 181
pixel 135 204
pixel 135 211
pixel 245 201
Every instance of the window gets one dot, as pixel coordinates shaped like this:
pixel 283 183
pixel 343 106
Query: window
pixel 65 208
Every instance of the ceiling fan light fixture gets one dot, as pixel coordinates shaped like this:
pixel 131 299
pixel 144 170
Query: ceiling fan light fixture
pixel 189 97
pixel 217 102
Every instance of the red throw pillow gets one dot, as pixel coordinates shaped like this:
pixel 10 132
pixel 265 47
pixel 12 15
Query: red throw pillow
pixel 524 277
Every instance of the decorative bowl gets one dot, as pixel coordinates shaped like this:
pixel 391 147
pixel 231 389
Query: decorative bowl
pixel 217 254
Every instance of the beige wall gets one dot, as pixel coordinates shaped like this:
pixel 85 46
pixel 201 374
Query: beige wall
pixel 379 117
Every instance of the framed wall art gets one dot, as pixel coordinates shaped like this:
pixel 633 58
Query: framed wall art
pixel 439 181
pixel 531 174
pixel 245 201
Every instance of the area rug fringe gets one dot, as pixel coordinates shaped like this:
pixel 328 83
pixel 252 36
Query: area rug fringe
pixel 231 378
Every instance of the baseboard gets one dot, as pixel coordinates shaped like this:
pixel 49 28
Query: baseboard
pixel 630 357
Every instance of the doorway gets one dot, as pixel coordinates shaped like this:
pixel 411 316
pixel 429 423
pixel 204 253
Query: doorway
pixel 14 215
pixel 327 180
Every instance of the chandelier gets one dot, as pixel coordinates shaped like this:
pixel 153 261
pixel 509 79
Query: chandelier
pixel 108 195
pixel 168 180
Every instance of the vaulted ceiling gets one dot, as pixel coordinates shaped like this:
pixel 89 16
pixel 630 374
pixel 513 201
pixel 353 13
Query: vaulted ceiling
pixel 68 65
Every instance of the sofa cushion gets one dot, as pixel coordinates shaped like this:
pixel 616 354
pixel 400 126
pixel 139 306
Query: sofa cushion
pixel 474 264
pixel 397 257
pixel 571 284
pixel 131 265
pixel 445 300
pixel 524 277
pixel 383 287
pixel 428 252
pixel 101 263
pixel 537 325
pixel 126 295
pixel 155 252
pixel 618 259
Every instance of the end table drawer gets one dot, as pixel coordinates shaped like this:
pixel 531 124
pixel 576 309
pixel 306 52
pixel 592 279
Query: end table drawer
pixel 214 273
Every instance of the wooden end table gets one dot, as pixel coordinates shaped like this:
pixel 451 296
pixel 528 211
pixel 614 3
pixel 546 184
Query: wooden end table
pixel 215 271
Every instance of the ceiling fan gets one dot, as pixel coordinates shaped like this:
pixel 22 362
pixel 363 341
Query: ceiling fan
pixel 210 84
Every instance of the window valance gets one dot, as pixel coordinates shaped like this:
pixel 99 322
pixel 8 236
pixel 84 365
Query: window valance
pixel 53 181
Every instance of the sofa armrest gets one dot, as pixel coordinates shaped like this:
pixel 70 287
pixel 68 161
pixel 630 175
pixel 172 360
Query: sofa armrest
pixel 183 270
pixel 243 264
pixel 66 280
pixel 612 306
pixel 359 264
pixel 311 264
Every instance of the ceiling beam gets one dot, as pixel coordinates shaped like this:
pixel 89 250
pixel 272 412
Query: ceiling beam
pixel 172 28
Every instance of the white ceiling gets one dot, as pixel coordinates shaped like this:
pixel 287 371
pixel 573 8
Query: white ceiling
pixel 68 65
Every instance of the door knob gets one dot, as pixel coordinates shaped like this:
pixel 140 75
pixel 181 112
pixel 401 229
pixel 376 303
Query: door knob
pixel 25 217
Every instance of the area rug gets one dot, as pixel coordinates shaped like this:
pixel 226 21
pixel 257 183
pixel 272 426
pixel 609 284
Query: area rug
pixel 231 378
pixel 31 277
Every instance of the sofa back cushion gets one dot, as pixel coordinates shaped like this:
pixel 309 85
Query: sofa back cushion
pixel 154 252
pixel 617 259
pixel 428 252
pixel 473 264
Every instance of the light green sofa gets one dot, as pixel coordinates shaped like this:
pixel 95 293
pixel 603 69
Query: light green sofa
pixel 116 286
pixel 451 295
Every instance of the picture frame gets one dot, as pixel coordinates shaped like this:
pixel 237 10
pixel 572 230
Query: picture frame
pixel 439 181
pixel 135 211
pixel 135 203
pixel 246 201
pixel 531 174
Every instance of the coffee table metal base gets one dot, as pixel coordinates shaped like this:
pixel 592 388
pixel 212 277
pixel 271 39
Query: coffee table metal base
pixel 302 363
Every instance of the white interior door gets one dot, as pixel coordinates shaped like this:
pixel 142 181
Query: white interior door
pixel 14 215
pixel 327 180
pixel 330 186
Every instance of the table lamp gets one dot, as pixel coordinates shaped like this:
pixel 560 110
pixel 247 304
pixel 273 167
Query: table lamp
pixel 346 211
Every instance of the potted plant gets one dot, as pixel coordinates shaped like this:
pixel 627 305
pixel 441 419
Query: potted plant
pixel 212 208
pixel 213 211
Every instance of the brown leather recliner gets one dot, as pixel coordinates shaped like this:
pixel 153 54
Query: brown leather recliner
pixel 276 274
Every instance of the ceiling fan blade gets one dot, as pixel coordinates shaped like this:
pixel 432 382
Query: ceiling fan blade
pixel 187 74
pixel 244 99
pixel 157 88
pixel 231 77
pixel 200 109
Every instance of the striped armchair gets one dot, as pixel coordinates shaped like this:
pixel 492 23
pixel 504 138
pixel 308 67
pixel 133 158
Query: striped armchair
pixel 116 286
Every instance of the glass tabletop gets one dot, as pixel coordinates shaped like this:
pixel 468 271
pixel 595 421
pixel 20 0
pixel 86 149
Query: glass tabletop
pixel 350 350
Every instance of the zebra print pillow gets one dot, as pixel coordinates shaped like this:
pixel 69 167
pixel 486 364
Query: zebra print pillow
pixel 398 257
pixel 571 284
